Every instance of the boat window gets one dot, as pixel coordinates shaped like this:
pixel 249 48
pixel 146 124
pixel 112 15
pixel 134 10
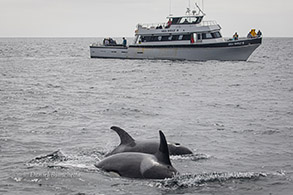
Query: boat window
pixel 213 35
pixel 175 37
pixel 216 35
pixel 207 36
pixel 199 37
pixel 198 20
pixel 186 37
pixel 187 20
pixel 149 38
pixel 184 21
pixel 192 20
pixel 154 38
pixel 165 38
pixel 175 20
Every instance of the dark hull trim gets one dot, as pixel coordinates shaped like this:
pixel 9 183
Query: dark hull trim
pixel 105 57
pixel 238 43
pixel 123 58
pixel 109 47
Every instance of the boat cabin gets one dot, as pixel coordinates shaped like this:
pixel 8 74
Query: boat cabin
pixel 179 30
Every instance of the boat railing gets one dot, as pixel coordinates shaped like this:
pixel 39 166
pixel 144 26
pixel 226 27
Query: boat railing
pixel 96 44
pixel 152 25
pixel 164 25
pixel 208 23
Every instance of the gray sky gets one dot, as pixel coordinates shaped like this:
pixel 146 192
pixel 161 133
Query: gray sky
pixel 117 18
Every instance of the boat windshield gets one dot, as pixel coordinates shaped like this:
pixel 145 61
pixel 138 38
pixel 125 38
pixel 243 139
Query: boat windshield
pixel 187 20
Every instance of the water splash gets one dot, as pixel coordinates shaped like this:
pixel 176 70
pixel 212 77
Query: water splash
pixel 56 156
pixel 188 180
pixel 57 160
pixel 192 157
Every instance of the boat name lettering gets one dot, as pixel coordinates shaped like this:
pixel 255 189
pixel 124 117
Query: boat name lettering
pixel 237 43
pixel 173 30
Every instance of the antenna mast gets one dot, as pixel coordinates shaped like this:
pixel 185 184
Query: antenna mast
pixel 170 7
pixel 200 10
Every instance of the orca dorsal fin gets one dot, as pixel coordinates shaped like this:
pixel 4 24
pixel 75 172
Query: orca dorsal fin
pixel 163 151
pixel 125 138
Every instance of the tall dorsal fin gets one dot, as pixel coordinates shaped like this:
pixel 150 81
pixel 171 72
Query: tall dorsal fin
pixel 125 138
pixel 163 152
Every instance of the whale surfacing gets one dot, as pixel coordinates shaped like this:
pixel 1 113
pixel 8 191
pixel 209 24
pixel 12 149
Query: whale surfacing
pixel 128 144
pixel 141 165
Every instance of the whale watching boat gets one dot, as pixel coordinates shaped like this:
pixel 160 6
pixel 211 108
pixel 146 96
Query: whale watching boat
pixel 186 37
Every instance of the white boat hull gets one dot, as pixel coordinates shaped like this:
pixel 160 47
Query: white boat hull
pixel 226 51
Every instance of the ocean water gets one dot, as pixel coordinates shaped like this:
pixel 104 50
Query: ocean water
pixel 57 106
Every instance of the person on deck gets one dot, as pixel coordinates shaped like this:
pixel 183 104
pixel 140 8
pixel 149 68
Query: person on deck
pixel 106 42
pixel 259 33
pixel 169 23
pixel 253 33
pixel 124 43
pixel 112 42
pixel 235 36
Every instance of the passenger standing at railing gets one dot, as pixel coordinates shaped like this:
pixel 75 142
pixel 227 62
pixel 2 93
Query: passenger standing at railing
pixel 259 33
pixel 169 23
pixel 235 36
pixel 251 34
pixel 106 42
pixel 124 43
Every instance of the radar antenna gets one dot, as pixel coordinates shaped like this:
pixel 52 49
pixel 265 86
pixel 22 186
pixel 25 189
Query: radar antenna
pixel 188 11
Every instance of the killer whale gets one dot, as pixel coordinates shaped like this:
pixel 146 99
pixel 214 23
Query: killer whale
pixel 128 144
pixel 141 165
